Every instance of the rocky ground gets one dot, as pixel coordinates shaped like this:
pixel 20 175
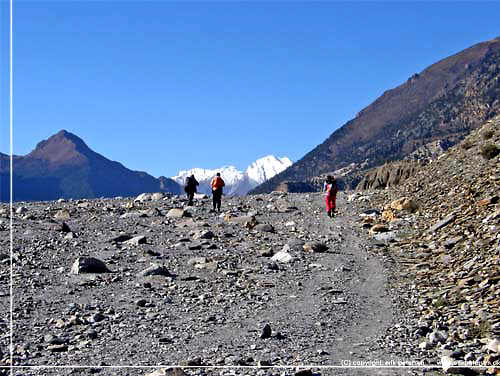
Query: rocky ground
pixel 443 224
pixel 406 276
pixel 270 282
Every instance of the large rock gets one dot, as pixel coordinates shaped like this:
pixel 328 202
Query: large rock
pixel 89 265
pixel 404 204
pixel 143 197
pixel 178 213
pixel 316 247
pixel 282 256
pixel 157 196
pixel 264 227
pixel 62 215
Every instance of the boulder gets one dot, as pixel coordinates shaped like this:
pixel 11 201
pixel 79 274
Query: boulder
pixel 264 227
pixel 404 204
pixel 282 256
pixel 62 215
pixel 157 196
pixel 178 213
pixel 379 228
pixel 89 265
pixel 155 269
pixel 143 197
pixel 316 247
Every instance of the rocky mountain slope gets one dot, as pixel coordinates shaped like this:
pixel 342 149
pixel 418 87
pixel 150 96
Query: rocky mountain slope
pixel 442 103
pixel 448 237
pixel 237 182
pixel 63 166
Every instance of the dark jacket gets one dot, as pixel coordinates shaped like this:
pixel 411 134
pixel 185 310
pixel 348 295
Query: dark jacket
pixel 190 185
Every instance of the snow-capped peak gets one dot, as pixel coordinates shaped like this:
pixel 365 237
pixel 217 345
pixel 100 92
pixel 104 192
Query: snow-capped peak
pixel 265 168
pixel 237 182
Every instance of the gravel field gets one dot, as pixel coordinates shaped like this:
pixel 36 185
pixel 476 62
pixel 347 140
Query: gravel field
pixel 269 282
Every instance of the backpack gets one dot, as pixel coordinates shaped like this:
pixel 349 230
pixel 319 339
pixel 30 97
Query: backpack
pixel 217 182
pixel 331 188
pixel 189 185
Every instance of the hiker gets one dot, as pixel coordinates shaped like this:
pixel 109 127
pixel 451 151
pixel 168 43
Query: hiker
pixel 217 184
pixel 190 188
pixel 330 195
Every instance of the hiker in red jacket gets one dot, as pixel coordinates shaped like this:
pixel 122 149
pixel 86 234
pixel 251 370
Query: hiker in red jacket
pixel 330 195
pixel 217 184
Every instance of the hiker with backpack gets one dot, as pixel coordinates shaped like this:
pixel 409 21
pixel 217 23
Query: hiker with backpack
pixel 217 183
pixel 190 188
pixel 331 190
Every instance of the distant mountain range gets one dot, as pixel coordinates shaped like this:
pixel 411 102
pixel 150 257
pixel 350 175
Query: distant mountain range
pixel 442 104
pixel 63 166
pixel 237 182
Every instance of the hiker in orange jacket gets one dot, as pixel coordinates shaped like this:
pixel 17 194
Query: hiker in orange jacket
pixel 217 184
pixel 330 195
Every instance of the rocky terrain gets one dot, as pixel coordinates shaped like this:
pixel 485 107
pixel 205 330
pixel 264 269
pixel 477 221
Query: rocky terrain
pixel 270 282
pixel 443 223
pixel 401 276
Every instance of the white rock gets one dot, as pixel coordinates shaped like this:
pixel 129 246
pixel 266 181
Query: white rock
pixel 143 197
pixel 157 196
pixel 282 256
pixel 21 210
pixel 494 345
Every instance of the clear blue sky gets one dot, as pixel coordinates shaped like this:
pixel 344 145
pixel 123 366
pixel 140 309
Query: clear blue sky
pixel 162 86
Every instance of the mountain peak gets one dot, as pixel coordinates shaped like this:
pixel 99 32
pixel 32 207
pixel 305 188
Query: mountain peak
pixel 62 148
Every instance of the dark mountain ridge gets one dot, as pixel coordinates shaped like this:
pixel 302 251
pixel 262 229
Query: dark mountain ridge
pixel 444 102
pixel 63 166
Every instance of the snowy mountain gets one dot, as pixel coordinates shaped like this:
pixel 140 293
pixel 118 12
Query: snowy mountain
pixel 237 182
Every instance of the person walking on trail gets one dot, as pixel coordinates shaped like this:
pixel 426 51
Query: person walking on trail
pixel 217 184
pixel 330 195
pixel 190 188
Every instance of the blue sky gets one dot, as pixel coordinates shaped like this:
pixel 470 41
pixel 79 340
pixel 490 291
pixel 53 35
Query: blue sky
pixel 162 86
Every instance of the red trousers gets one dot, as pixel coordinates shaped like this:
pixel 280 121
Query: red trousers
pixel 330 203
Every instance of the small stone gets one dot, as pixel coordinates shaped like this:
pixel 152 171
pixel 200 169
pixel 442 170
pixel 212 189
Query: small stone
pixel 266 332
pixel 155 269
pixel 57 348
pixel 267 252
pixel 204 235
pixel 437 337
pixel 442 223
pixel 141 239
pixel 97 317
pixel 316 247
pixel 425 345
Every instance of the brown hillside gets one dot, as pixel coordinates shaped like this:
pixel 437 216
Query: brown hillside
pixel 444 102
